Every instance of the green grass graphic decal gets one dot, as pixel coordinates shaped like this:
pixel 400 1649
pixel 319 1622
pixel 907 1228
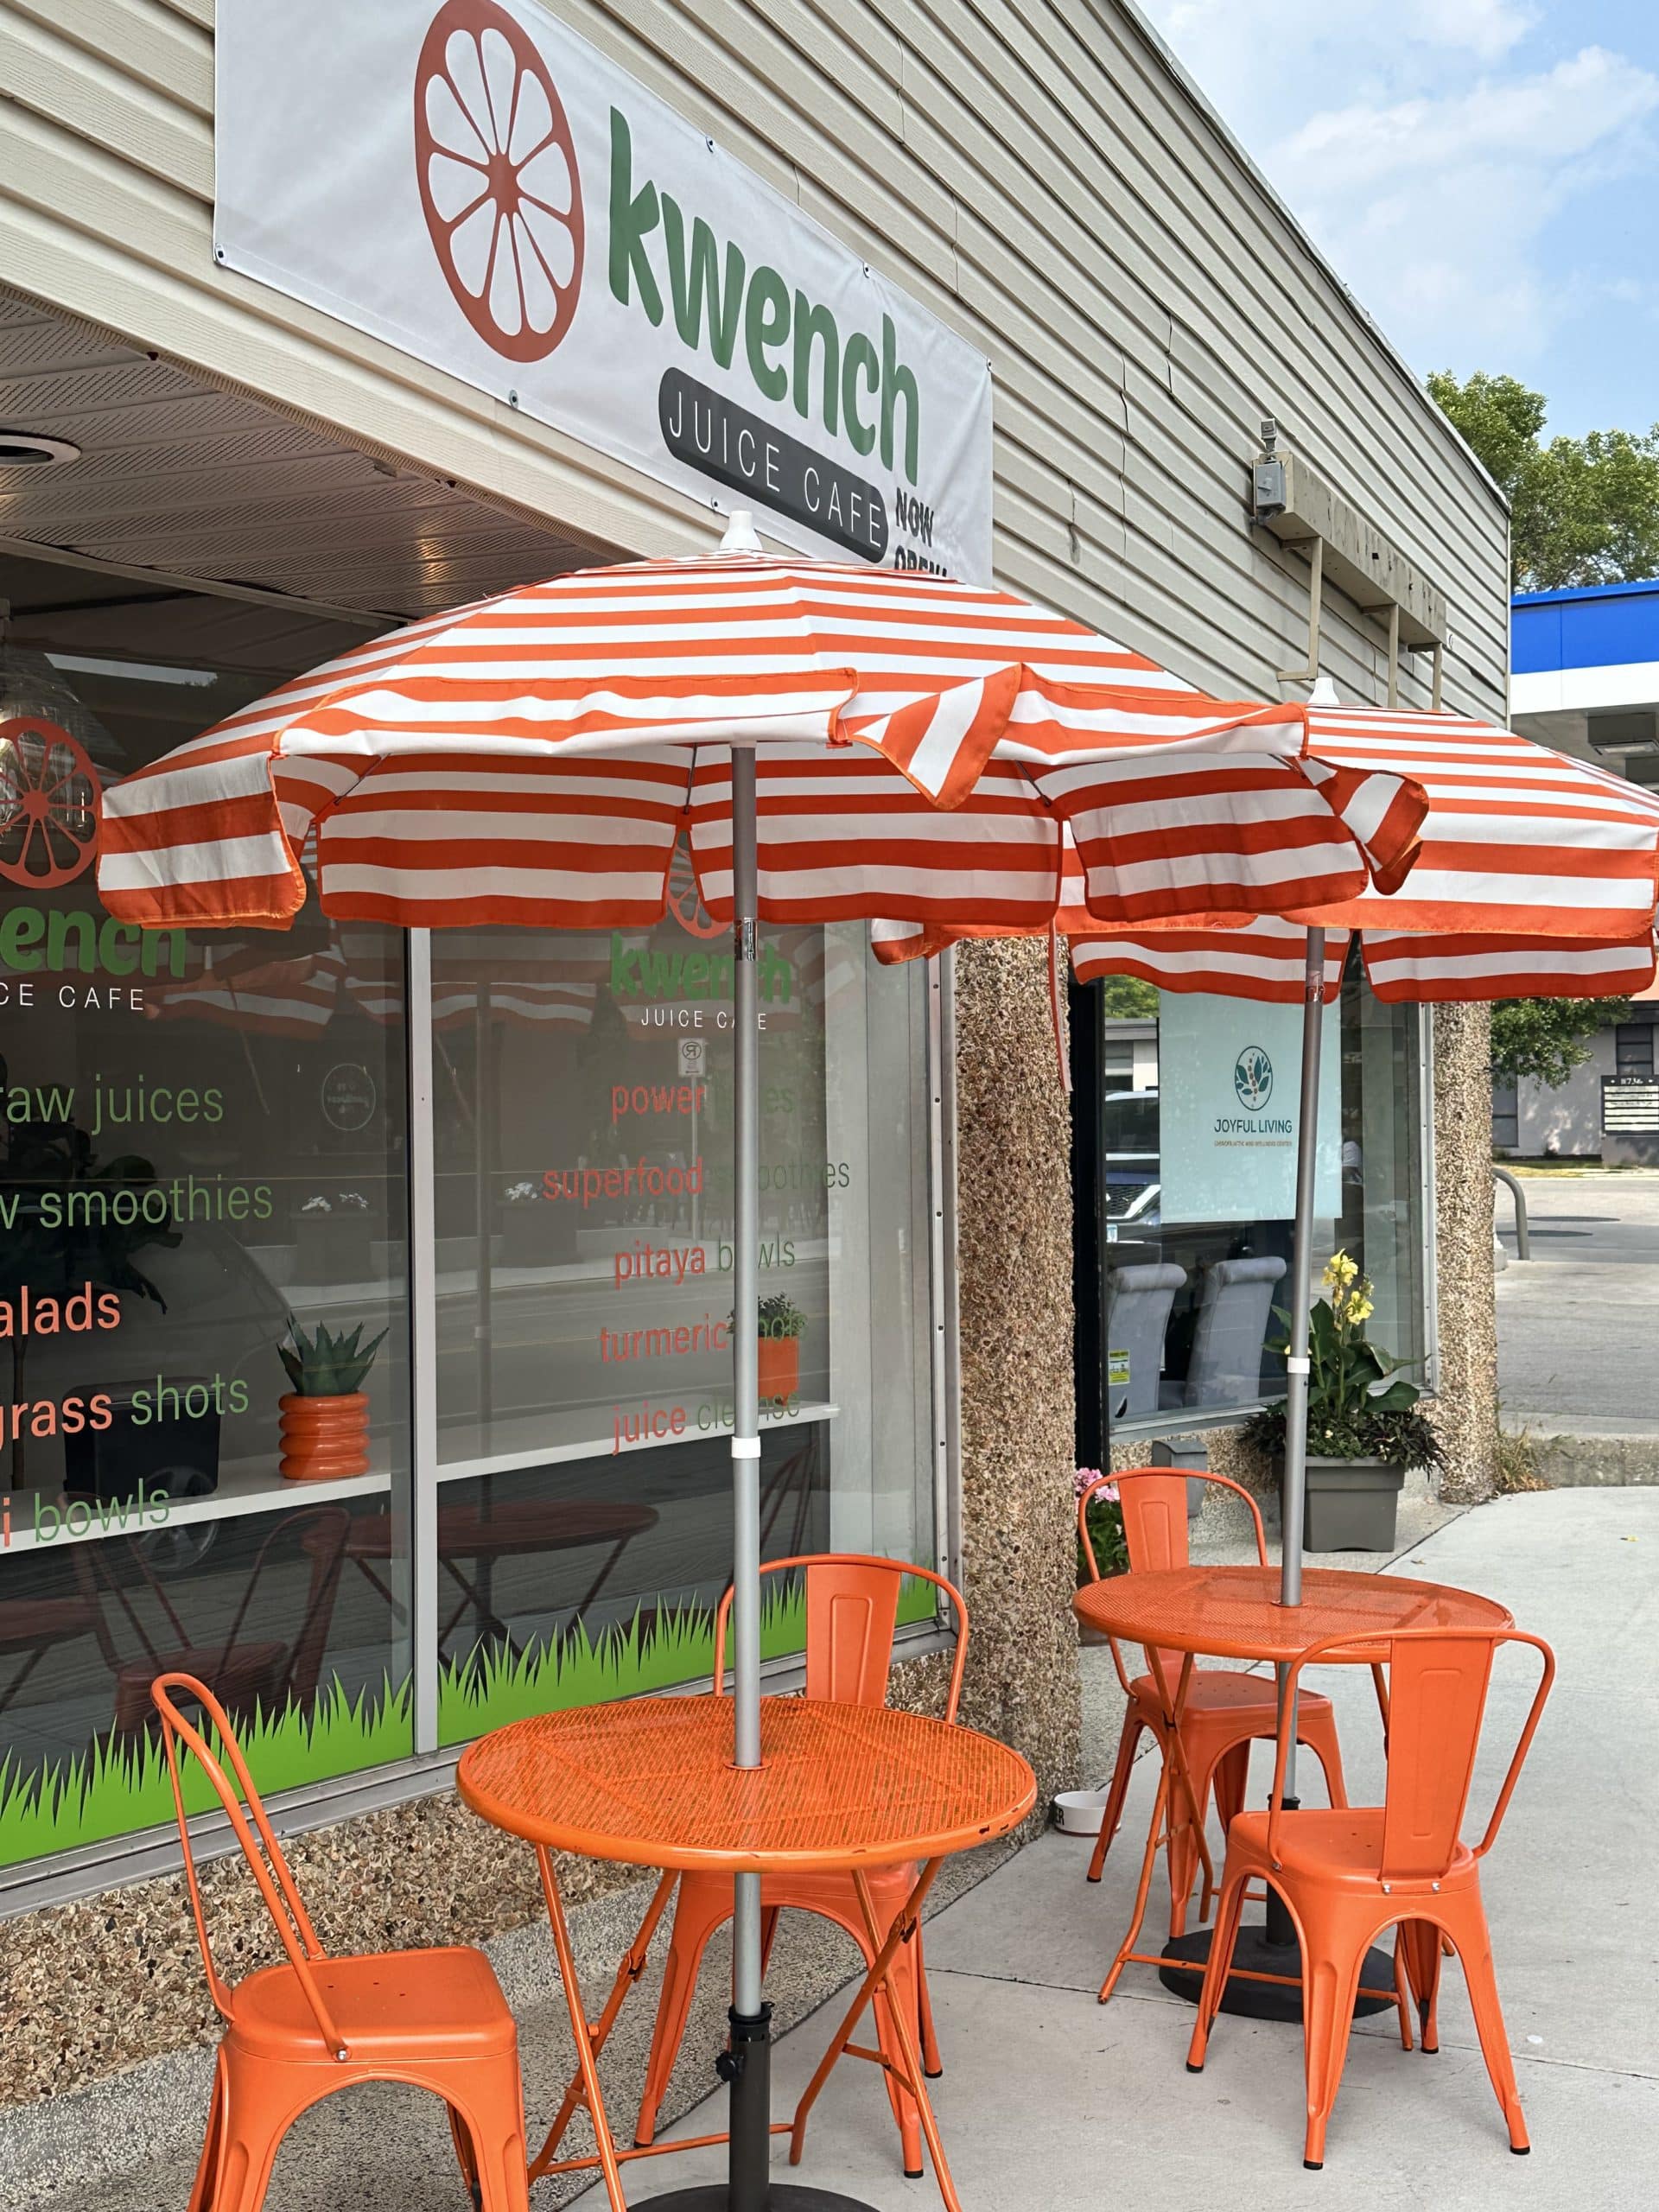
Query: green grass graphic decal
pixel 117 1788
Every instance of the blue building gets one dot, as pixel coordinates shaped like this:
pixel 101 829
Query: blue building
pixel 1585 678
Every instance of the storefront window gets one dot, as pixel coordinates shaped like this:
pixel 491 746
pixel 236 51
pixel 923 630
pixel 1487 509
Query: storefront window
pixel 205 1155
pixel 583 1090
pixel 1196 1126
pixel 202 1149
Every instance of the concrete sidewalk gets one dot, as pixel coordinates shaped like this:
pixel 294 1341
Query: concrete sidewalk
pixel 1050 2100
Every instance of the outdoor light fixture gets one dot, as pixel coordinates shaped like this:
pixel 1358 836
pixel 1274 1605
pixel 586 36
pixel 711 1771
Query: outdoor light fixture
pixel 141 671
pixel 23 449
pixel 1623 734
pixel 1268 480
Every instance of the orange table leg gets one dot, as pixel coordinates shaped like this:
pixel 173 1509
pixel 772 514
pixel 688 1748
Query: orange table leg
pixel 633 1965
pixel 878 1978
pixel 1175 1781
pixel 587 2044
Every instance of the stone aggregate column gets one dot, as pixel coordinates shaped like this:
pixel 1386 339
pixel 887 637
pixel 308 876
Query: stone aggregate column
pixel 1466 1411
pixel 1013 1195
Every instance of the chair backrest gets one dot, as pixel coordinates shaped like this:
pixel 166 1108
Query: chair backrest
pixel 852 1609
pixel 1138 1300
pixel 1437 1680
pixel 269 1870
pixel 1234 1310
pixel 1153 1501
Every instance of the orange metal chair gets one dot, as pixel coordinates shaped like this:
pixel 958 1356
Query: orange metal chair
pixel 852 1604
pixel 1347 1874
pixel 1225 1711
pixel 296 2032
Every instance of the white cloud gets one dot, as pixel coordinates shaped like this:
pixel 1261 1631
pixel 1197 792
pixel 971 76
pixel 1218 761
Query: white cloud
pixel 1432 207
pixel 1423 153
pixel 1256 58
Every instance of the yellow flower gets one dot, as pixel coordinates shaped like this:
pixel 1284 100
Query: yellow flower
pixel 1360 1309
pixel 1339 1271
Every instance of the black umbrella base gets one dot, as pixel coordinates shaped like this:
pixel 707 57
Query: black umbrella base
pixel 781 2197
pixel 1263 2000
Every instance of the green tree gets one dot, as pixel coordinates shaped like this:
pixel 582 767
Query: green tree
pixel 1126 998
pixel 1584 510
pixel 1544 1039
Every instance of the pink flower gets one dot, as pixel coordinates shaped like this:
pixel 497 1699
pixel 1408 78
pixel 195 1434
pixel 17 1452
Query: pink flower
pixel 1082 1478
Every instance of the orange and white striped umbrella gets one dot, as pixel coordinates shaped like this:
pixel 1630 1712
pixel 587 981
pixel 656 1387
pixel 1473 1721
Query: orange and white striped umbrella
pixel 532 759
pixel 1534 877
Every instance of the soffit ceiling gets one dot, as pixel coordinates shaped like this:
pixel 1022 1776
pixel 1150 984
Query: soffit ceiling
pixel 215 487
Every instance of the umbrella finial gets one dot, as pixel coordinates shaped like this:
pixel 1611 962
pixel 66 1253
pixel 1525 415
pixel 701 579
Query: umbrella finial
pixel 1324 693
pixel 740 536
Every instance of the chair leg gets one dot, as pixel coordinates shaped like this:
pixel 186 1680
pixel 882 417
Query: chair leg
pixel 1129 1737
pixel 1230 1782
pixel 468 2161
pixel 1474 1948
pixel 1218 1965
pixel 697 1913
pixel 205 2195
pixel 1330 1982
pixel 245 2170
pixel 498 2152
pixel 1183 1853
pixel 1401 1987
pixel 932 2064
pixel 769 1920
pixel 1420 1944
pixel 1318 1730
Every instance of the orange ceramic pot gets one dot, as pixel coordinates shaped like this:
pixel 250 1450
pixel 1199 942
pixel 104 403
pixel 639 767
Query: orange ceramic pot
pixel 325 1438
pixel 778 1361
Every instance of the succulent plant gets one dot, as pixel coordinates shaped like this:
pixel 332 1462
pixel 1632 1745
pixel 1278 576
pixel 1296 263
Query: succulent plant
pixel 779 1316
pixel 325 1365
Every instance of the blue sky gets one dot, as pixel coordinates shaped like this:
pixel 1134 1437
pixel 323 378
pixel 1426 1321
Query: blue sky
pixel 1483 173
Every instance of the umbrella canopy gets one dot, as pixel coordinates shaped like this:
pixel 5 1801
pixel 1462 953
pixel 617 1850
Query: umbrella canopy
pixel 1531 875
pixel 919 743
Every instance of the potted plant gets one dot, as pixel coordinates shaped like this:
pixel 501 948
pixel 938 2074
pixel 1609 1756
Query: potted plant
pixel 1364 1430
pixel 777 1354
pixel 325 1423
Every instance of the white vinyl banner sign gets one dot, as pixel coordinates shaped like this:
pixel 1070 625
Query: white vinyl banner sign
pixel 1230 1075
pixel 476 185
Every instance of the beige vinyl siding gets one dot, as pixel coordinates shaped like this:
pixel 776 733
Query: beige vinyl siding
pixel 1031 170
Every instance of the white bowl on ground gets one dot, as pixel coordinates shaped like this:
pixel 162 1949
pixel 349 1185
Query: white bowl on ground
pixel 1079 1812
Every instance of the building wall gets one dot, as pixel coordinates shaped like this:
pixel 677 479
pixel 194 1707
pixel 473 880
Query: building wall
pixel 1566 1120
pixel 1032 169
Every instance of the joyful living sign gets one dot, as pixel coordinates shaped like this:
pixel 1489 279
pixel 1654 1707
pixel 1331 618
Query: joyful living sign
pixel 483 189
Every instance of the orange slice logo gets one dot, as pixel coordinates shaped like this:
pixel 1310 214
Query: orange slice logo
pixel 498 179
pixel 48 805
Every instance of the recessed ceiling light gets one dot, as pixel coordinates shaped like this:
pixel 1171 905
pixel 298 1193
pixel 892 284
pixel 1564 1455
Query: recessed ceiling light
pixel 23 449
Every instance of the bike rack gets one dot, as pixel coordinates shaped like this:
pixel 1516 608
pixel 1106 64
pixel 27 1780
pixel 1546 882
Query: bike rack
pixel 1523 1239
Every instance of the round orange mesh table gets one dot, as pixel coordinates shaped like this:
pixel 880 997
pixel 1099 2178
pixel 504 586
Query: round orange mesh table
pixel 1234 1613
pixel 650 1783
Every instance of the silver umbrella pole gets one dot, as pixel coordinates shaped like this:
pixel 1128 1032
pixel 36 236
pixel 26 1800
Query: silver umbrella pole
pixel 746 1430
pixel 1302 1286
pixel 1293 1502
